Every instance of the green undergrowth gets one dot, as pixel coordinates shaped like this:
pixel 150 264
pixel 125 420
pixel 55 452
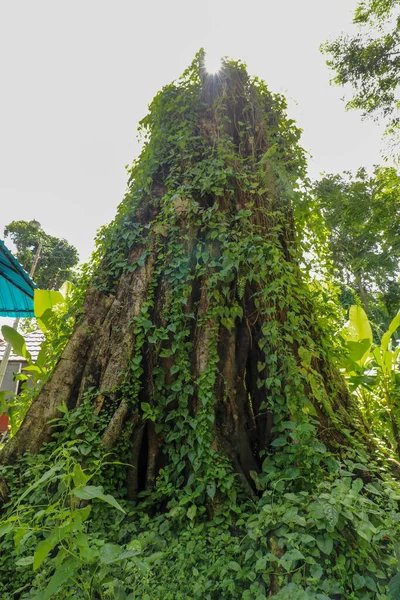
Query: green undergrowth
pixel 68 532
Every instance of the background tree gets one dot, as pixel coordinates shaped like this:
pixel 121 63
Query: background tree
pixel 200 361
pixel 363 220
pixel 57 256
pixel 370 60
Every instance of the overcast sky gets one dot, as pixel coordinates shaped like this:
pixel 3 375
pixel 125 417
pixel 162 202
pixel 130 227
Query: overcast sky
pixel 77 76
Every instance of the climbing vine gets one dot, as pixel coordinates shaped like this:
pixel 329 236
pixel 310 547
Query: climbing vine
pixel 241 462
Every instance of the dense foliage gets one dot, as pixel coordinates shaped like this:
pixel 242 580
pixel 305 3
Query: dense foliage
pixel 369 60
pixel 56 258
pixel 249 478
pixel 363 220
pixel 373 374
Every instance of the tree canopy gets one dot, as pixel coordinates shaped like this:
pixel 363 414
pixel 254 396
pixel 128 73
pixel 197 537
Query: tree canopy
pixel 363 220
pixel 370 59
pixel 57 257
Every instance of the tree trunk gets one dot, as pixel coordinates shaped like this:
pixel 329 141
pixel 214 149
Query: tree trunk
pixel 362 292
pixel 199 337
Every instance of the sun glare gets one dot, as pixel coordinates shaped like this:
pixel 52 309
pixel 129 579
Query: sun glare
pixel 212 64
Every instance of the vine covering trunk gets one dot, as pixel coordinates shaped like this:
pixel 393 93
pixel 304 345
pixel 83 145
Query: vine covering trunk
pixel 199 342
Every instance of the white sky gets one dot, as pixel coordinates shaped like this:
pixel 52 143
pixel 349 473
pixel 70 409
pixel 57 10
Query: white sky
pixel 77 76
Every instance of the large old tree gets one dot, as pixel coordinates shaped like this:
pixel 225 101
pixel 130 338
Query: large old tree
pixel 202 350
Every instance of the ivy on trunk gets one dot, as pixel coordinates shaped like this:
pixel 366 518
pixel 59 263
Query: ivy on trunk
pixel 200 342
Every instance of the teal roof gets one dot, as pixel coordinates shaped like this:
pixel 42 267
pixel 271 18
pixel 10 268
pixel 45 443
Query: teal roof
pixel 16 287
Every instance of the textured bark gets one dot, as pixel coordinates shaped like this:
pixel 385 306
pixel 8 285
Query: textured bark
pixel 96 356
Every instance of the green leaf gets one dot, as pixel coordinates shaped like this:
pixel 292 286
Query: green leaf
pixel 25 561
pixel 60 577
pixel 5 528
pixel 332 515
pixel 308 408
pixel 234 566
pixel 142 258
pixel 280 441
pixel 305 356
pixel 388 334
pixel 43 303
pixel 357 349
pixel 45 477
pixel 289 558
pixel 44 300
pixel 85 449
pixel 17 342
pixel 358 329
pixel 81 514
pixel 111 501
pixel 42 356
pixel 394 587
pixel 358 326
pixel 22 532
pixel 66 289
pixel 268 154
pixel 261 564
pixel 79 476
pixel 42 551
pixel 191 512
pixel 325 544
pixel 88 492
pixel 237 311
pixel 366 530
pixel 358 581
pixel 110 553
pixel 370 583
pixel 211 490
pixel 36 371
pixel 134 545
pixel 316 571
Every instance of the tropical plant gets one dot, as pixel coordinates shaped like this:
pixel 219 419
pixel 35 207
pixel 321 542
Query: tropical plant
pixel 373 371
pixel 53 317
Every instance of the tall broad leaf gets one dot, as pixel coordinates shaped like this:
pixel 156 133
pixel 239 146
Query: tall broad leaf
pixel 67 288
pixel 357 330
pixel 17 342
pixel 43 303
pixel 388 334
pixel 358 349
pixel 46 299
pixel 358 327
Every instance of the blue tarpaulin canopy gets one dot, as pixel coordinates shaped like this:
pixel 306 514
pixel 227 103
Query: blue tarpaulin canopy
pixel 16 287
